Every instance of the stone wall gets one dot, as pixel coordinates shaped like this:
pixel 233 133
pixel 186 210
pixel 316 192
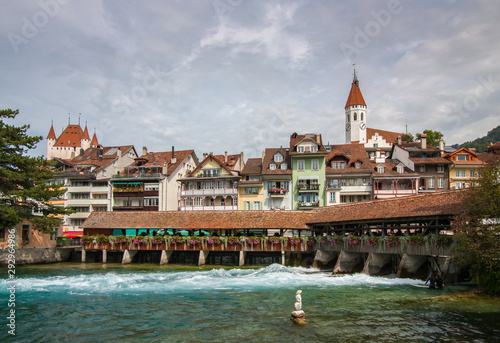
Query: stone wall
pixel 37 255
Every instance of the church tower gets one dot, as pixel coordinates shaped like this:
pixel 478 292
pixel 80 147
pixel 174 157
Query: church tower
pixel 355 115
pixel 51 140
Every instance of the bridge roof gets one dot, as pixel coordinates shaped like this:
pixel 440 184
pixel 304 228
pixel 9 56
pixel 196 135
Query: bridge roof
pixel 425 205
pixel 199 220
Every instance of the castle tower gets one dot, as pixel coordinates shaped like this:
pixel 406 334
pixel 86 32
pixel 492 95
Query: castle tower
pixel 85 141
pixel 51 140
pixel 355 114
pixel 94 142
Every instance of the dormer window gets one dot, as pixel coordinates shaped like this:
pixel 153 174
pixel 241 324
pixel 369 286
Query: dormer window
pixel 380 169
pixel 284 166
pixel 314 149
pixel 338 165
pixel 357 165
pixel 300 149
pixel 401 169
pixel 278 157
pixel 461 157
pixel 272 166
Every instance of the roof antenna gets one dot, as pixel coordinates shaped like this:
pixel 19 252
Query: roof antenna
pixel 79 115
pixel 69 118
pixel 355 76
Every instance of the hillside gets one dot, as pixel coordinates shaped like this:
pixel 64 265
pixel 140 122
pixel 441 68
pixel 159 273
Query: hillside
pixel 480 144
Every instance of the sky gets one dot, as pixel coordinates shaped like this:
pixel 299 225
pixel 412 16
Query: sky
pixel 243 75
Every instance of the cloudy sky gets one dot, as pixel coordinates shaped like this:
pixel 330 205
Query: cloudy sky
pixel 242 75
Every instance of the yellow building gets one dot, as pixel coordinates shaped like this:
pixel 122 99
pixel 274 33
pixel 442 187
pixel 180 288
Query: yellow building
pixel 251 186
pixel 465 168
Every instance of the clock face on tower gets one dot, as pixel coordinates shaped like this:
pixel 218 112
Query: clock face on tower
pixel 348 127
pixel 362 126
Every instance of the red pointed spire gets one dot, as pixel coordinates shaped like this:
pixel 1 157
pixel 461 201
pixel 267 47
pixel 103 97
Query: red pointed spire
pixel 94 141
pixel 355 96
pixel 86 133
pixel 52 134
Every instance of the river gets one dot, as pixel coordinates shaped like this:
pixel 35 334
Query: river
pixel 75 302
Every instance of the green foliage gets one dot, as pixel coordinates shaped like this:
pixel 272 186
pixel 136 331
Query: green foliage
pixel 432 137
pixel 23 179
pixel 407 137
pixel 480 144
pixel 477 229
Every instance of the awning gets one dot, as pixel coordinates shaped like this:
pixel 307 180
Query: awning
pixel 119 183
pixel 72 234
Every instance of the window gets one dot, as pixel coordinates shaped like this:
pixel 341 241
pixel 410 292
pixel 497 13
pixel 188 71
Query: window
pixel 360 182
pixel 100 209
pixel 463 173
pixel 301 165
pixel 284 166
pixel 430 183
pixel 256 205
pixel 211 172
pixel 343 182
pixel 362 116
pixel 151 187
pixel 80 196
pixel 421 168
pixel 272 166
pixel 472 173
pixel 315 164
pixel 151 202
pixel 457 173
pixel 223 201
pixel 462 157
pixel 247 205
pixel 314 149
pixel 355 116
pixel 332 197
pixel 278 157
pixel 357 165
pixel 351 182
pixel 440 182
pixel 440 168
pixel 300 149
pixel 251 190
pixel 348 118
pixel 338 165
pixel 401 169
pixel 380 169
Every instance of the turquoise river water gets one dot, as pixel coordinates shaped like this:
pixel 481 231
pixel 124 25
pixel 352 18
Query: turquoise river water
pixel 73 302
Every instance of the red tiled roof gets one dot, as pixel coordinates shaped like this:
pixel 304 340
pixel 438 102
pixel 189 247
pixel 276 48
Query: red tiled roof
pixel 94 141
pixel 86 133
pixel 159 159
pixel 424 205
pixel 252 167
pixel 352 153
pixel 493 148
pixel 488 157
pixel 70 137
pixel 355 96
pixel 90 156
pixel 389 136
pixel 52 134
pixel 232 160
pixel 295 139
pixel 269 157
pixel 196 220
pixel 430 160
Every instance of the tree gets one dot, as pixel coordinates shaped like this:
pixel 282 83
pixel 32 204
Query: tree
pixel 23 179
pixel 477 229
pixel 407 137
pixel 432 137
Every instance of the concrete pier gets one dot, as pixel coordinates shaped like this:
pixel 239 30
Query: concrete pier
pixel 128 256
pixel 349 262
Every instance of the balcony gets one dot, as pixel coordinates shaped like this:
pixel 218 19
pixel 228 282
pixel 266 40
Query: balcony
pixel 333 186
pixel 145 176
pixel 136 208
pixel 134 194
pixel 277 192
pixel 304 187
pixel 210 191
pixel 307 205
pixel 210 208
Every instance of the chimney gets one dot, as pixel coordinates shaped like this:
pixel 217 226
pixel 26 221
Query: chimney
pixel 119 153
pixel 144 151
pixel 377 152
pixel 441 145
pixel 242 162
pixel 263 155
pixel 205 155
pixel 399 140
pixel 81 151
pixel 379 157
pixel 225 157
pixel 173 160
pixel 318 138
pixel 423 141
